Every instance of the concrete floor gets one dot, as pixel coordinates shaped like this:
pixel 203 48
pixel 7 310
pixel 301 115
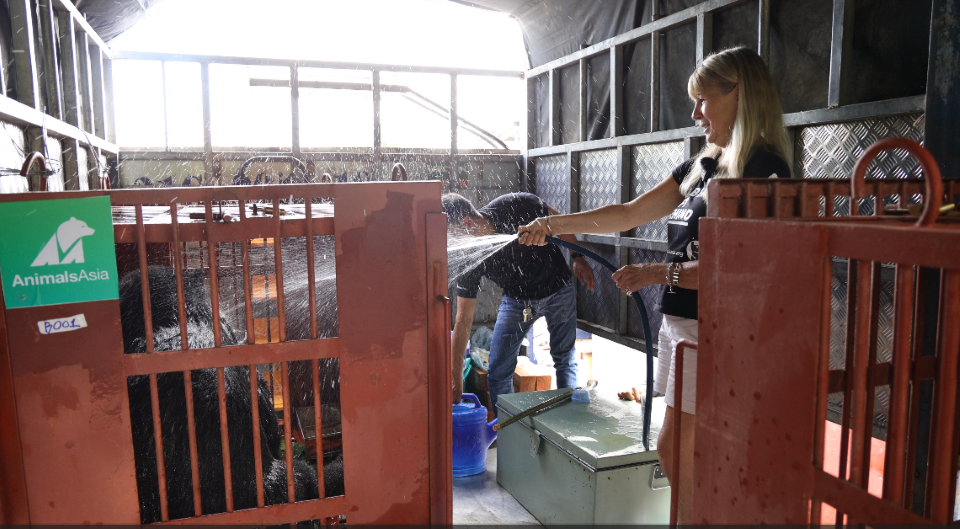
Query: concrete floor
pixel 479 500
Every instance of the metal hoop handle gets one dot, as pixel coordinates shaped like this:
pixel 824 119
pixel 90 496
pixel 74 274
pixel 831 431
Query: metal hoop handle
pixel 398 168
pixel 933 183
pixel 35 157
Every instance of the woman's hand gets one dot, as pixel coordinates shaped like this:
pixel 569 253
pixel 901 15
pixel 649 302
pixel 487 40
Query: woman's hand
pixel 535 233
pixel 632 278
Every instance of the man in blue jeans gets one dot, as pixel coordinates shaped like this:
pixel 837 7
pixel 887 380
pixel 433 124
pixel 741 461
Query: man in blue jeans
pixel 536 281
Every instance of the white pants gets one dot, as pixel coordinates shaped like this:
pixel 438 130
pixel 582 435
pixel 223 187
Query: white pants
pixel 672 331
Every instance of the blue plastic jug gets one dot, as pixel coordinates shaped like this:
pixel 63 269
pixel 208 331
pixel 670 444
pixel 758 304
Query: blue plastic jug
pixel 472 436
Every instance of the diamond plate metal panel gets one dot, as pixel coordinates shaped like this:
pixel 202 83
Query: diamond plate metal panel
pixel 600 306
pixel 651 297
pixel 650 165
pixel 552 184
pixel 599 182
pixel 830 151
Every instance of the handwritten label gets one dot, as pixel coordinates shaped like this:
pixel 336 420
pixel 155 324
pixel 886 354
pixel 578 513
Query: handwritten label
pixel 70 323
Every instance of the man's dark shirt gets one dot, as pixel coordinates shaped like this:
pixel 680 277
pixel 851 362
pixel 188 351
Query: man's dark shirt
pixel 523 272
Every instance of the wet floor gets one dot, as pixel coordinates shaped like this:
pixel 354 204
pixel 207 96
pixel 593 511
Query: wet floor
pixel 479 500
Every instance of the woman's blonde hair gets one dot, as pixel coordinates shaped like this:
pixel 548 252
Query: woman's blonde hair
pixel 759 120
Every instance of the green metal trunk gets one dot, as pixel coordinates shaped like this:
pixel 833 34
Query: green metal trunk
pixel 582 463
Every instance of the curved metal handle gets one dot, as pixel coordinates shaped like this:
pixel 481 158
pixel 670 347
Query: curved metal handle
pixel 325 178
pixel 32 158
pixel 398 168
pixel 295 163
pixel 933 182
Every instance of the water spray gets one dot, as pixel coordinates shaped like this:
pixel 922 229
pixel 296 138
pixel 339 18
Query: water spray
pixel 645 323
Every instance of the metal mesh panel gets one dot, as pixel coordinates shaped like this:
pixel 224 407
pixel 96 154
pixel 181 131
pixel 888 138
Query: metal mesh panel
pixel 599 182
pixel 651 297
pixel 600 306
pixel 651 164
pixel 552 184
pixel 831 151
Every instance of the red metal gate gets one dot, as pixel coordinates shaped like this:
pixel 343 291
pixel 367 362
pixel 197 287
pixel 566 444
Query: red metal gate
pixel 764 375
pixel 66 447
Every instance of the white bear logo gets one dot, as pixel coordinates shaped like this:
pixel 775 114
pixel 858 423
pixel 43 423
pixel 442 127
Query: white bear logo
pixel 66 240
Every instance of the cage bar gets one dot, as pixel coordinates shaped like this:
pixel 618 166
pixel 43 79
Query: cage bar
pixel 144 281
pixel 192 436
pixel 318 427
pixel 943 440
pixel 311 275
pixel 257 455
pixel 278 269
pixel 897 425
pixel 225 438
pixel 158 444
pixel 214 286
pixel 287 434
pixel 178 272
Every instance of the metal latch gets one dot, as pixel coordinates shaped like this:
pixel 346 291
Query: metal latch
pixel 658 480
pixel 535 443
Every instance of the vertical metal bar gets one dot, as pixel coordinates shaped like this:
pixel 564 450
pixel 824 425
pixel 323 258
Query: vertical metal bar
pixel 86 84
pixel 864 357
pixel 247 281
pixel 311 271
pixel 941 125
pixel 178 272
pixel 295 110
pixel 763 31
pixel 943 441
pixel 454 173
pixel 109 122
pixel 704 36
pixel 71 98
pixel 655 81
pixel 317 422
pixel 583 78
pixel 192 436
pixel 554 107
pixel 848 404
pixel 616 91
pixel 573 177
pixel 208 161
pixel 823 383
pixel 24 54
pixel 278 269
pixel 904 294
pixel 841 44
pixel 377 133
pixel 158 446
pixel 96 79
pixel 531 112
pixel 625 174
pixel 214 285
pixel 257 447
pixel 916 378
pixel 677 420
pixel 287 435
pixel 225 437
pixel 166 119
pixel 144 280
pixel 48 41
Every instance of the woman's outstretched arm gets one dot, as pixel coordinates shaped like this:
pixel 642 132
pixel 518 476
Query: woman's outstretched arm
pixel 650 206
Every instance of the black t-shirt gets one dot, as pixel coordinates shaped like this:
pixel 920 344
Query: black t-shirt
pixel 683 225
pixel 523 272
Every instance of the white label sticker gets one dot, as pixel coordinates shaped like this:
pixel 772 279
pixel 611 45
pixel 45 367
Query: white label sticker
pixel 70 323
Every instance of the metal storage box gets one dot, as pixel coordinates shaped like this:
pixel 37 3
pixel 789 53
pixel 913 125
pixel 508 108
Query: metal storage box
pixel 582 463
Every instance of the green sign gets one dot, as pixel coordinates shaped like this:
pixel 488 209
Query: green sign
pixel 57 251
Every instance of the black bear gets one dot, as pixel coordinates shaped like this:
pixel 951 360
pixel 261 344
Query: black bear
pixel 173 418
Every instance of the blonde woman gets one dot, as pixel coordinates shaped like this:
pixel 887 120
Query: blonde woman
pixel 736 104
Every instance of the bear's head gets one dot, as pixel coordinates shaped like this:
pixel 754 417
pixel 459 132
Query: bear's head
pixel 70 231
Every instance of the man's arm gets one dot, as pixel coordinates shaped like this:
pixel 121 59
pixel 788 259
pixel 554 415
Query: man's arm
pixel 461 333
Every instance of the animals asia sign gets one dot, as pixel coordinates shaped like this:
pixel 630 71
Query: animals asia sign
pixel 57 251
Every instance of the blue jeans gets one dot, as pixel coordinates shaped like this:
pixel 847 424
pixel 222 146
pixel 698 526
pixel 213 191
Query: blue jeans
pixel 560 309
